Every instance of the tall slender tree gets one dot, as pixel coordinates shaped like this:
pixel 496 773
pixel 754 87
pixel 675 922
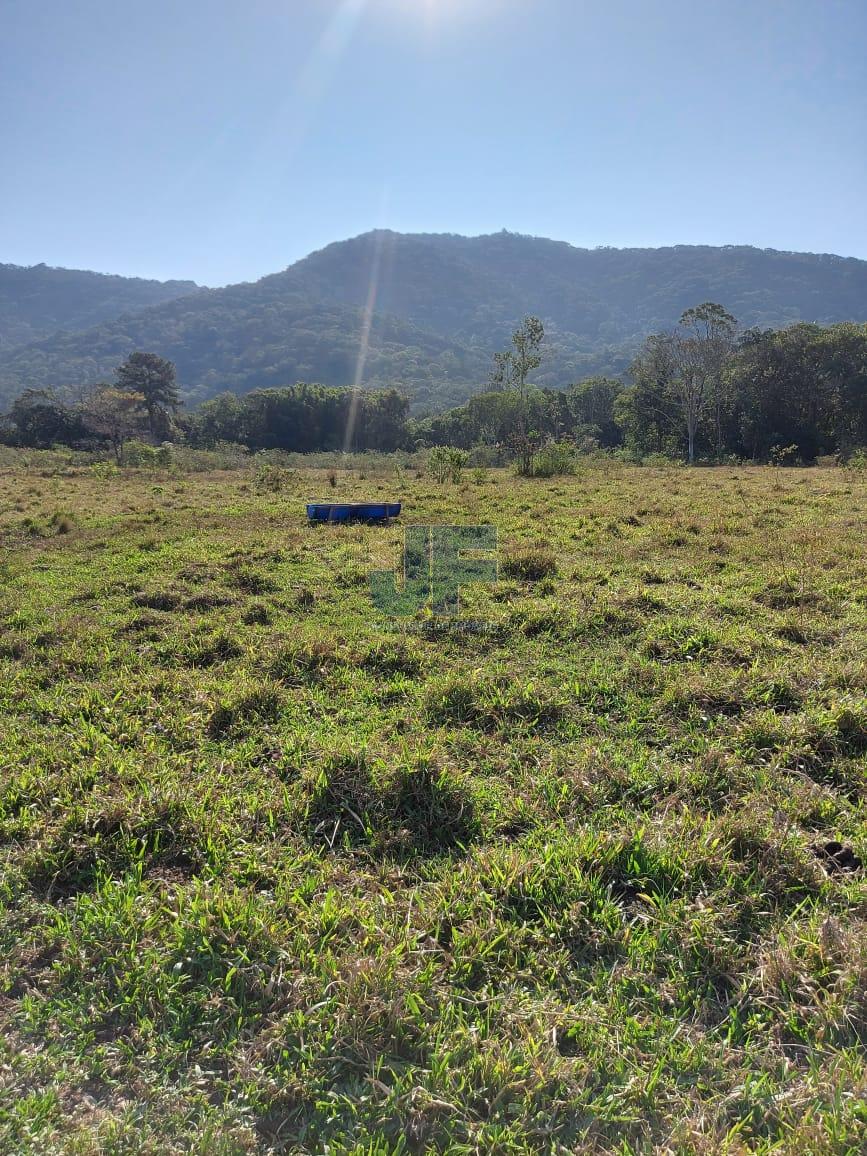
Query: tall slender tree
pixel 511 370
pixel 705 344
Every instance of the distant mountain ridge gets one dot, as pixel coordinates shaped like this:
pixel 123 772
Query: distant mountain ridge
pixel 37 301
pixel 443 304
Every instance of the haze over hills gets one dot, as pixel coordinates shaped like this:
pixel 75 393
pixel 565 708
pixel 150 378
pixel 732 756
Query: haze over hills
pixel 36 301
pixel 442 304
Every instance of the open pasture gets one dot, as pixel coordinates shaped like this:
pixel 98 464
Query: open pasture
pixel 279 874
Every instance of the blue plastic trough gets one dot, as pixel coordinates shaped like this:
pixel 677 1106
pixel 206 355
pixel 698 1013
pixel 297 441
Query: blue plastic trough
pixel 352 511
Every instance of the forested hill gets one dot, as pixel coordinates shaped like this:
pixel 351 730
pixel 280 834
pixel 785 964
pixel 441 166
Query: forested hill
pixel 444 303
pixel 36 301
pixel 465 285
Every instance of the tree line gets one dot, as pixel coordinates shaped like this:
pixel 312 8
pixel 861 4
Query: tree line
pixel 702 390
pixel 143 403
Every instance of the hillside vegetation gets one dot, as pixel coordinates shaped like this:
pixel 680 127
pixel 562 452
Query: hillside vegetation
pixel 785 396
pixel 443 304
pixel 36 301
pixel 580 871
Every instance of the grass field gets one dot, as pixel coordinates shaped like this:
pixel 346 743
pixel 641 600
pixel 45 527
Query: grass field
pixel 281 874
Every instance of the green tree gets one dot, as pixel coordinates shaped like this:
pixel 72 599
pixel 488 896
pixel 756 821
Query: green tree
pixel 689 366
pixel 113 415
pixel 843 361
pixel 503 372
pixel 648 412
pixel 527 356
pixel 40 419
pixel 447 462
pixel 217 420
pixel 153 378
pixel 511 370
pixel 592 408
pixel 708 346
pixel 803 386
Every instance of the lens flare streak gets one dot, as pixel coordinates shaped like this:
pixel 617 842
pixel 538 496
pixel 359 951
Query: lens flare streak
pixel 364 341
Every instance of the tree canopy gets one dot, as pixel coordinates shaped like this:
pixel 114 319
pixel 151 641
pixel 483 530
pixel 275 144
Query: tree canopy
pixel 700 392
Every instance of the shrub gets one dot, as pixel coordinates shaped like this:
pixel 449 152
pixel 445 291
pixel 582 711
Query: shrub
pixel 269 478
pixel 389 657
pixel 157 599
pixel 447 463
pixel 554 460
pixel 62 523
pixel 305 662
pixel 342 797
pixel 138 453
pixel 251 581
pixel 257 615
pixel 785 455
pixel 209 650
pixel 104 470
pixel 490 704
pixel 486 457
pixel 660 460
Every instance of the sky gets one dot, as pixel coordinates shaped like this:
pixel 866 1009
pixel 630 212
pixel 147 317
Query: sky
pixel 220 140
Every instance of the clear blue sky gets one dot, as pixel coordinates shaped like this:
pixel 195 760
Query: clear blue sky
pixel 222 139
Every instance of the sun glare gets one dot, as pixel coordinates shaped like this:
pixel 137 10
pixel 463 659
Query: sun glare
pixel 434 13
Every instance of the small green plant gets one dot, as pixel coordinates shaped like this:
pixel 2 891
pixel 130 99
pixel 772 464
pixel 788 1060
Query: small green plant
pixel 661 461
pixel 104 470
pixel 269 478
pixel 447 463
pixel 784 455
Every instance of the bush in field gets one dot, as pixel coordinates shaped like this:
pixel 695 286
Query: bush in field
pixel 554 460
pixel 104 470
pixel 447 463
pixel 270 478
pixel 142 455
pixel 139 454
